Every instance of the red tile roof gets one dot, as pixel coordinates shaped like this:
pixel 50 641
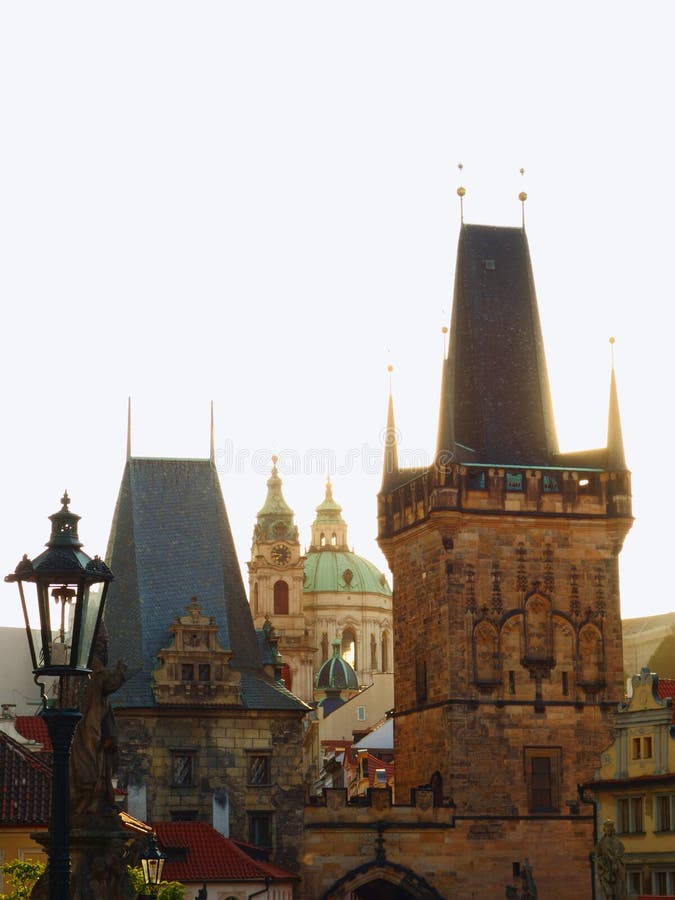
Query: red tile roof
pixel 34 728
pixel 666 688
pixel 25 785
pixel 375 763
pixel 208 856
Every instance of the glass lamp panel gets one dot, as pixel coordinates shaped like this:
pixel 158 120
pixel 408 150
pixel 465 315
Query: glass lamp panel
pixel 87 615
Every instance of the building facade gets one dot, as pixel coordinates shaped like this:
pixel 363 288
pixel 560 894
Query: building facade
pixel 507 631
pixel 316 597
pixel 635 784
pixel 206 731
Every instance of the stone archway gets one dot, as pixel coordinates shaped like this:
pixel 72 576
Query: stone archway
pixel 384 881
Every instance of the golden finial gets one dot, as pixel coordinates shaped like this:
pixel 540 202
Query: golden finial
pixel 461 193
pixel 275 460
pixel 390 369
pixel 444 332
pixel 522 196
pixel 612 341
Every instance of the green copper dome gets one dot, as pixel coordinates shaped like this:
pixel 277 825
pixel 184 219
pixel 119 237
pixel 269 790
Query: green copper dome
pixel 330 566
pixel 336 674
pixel 339 570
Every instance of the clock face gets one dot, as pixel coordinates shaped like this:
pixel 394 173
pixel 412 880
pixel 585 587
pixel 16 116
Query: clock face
pixel 280 554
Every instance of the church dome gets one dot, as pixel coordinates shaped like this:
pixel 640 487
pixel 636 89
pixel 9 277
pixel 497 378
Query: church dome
pixel 336 674
pixel 332 570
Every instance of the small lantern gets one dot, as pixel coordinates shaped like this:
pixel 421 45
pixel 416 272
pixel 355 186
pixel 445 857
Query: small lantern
pixel 152 863
pixel 63 575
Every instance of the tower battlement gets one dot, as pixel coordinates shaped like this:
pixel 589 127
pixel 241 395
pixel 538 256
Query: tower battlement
pixel 519 490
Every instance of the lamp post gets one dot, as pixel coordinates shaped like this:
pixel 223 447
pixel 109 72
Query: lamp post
pixel 152 863
pixel 64 574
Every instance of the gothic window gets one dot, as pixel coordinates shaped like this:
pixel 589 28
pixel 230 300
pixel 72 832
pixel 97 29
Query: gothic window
pixel 384 652
pixel 280 598
pixel 260 829
pixel 259 768
pixel 349 647
pixel 542 776
pixel 182 768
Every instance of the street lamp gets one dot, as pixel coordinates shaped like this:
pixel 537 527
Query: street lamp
pixel 152 863
pixel 64 573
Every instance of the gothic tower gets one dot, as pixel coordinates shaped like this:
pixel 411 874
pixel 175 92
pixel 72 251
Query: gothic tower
pixel 504 553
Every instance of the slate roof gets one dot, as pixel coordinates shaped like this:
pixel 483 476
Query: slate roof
pixel 209 857
pixel 25 785
pixel 495 375
pixel 170 541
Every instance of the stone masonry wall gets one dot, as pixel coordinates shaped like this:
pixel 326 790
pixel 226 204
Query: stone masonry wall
pixel 219 742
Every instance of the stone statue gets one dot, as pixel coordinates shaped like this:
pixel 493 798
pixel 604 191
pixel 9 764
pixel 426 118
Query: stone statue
pixel 99 844
pixel 610 864
pixel 529 891
pixel 93 756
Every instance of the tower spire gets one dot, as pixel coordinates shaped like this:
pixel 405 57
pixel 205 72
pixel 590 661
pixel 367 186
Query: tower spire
pixel 616 457
pixel 390 466
pixel 461 193
pixel 212 445
pixel 129 428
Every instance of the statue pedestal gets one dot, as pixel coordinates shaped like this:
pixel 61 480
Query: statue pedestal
pixel 99 855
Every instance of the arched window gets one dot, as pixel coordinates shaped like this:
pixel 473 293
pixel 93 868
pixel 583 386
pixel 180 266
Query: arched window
pixel 256 599
pixel 322 540
pixel 384 652
pixel 280 598
pixel 373 652
pixel 333 540
pixel 349 647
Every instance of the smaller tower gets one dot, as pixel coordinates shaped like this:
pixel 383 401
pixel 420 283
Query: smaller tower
pixel 336 680
pixel 346 595
pixel 275 583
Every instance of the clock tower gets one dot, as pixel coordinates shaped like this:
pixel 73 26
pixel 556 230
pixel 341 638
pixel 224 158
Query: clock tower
pixel 276 586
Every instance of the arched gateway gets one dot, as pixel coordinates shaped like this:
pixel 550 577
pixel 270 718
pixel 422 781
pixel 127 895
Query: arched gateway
pixel 383 881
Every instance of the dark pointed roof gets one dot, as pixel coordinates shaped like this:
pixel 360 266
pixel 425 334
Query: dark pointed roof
pixel 496 403
pixel 616 457
pixel 170 541
pixel 390 468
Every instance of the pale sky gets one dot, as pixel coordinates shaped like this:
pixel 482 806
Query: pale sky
pixel 255 203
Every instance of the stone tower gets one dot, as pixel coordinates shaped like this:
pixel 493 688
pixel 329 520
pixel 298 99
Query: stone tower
pixel 275 574
pixel 504 552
